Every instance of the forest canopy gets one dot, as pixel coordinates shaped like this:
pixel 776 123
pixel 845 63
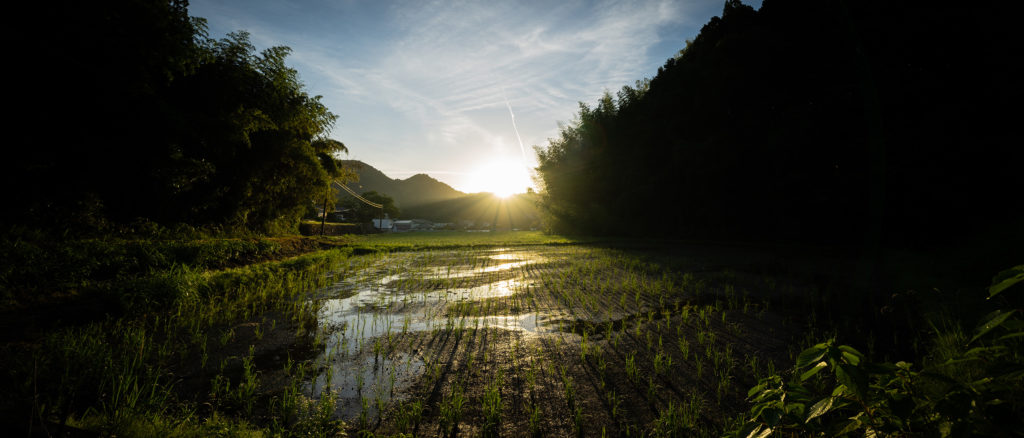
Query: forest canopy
pixel 129 111
pixel 811 121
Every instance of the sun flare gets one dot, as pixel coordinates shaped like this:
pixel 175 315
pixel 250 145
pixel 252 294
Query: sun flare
pixel 503 178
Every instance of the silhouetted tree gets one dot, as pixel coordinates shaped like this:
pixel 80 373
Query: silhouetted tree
pixel 804 120
pixel 127 109
pixel 362 213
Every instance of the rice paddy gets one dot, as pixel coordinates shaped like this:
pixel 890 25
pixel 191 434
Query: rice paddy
pixel 513 334
pixel 536 340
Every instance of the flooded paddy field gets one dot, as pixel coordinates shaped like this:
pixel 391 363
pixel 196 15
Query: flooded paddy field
pixel 471 336
pixel 540 340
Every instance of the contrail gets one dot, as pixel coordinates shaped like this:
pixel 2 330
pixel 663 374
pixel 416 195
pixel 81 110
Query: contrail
pixel 514 127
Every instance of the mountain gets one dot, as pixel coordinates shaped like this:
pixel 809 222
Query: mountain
pixel 416 190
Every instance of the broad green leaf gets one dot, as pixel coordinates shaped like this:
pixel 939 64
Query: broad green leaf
pixel 755 411
pixel 760 432
pixel 811 372
pixel 853 378
pixel 811 355
pixel 853 425
pixel 820 408
pixel 839 390
pixel 769 394
pixel 851 359
pixel 993 320
pixel 772 416
pixel 981 381
pixel 988 353
pixel 851 350
pixel 1014 325
pixel 945 429
pixel 796 409
pixel 1011 336
pixel 1006 279
pixel 756 389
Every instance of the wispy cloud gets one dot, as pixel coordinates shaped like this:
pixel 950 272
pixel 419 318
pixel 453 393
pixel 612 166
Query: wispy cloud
pixel 424 84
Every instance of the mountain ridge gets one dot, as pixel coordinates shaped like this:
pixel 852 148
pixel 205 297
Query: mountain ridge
pixel 415 190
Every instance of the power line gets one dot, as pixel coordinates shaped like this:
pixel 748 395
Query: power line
pixel 364 200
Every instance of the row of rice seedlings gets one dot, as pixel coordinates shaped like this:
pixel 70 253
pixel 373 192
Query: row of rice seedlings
pixel 576 291
pixel 123 367
pixel 457 324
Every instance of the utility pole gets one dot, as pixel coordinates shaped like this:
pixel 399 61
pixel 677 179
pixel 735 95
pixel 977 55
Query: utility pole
pixel 364 201
pixel 323 219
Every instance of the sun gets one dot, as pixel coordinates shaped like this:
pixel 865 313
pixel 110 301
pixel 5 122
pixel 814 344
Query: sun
pixel 503 178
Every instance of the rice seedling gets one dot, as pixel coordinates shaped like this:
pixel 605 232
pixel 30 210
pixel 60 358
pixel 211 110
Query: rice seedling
pixel 535 418
pixel 409 416
pixel 662 363
pixel 492 407
pixel 631 370
pixel 577 420
pixel 451 410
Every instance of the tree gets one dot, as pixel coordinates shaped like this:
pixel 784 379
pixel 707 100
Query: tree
pixel 256 141
pixel 163 123
pixel 822 122
pixel 90 100
pixel 361 212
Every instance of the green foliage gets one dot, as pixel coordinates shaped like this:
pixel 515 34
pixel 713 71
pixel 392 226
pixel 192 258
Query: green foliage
pixel 118 374
pixel 38 269
pixel 362 213
pixel 1006 279
pixel 834 390
pixel 271 156
pixel 180 128
pixel 794 121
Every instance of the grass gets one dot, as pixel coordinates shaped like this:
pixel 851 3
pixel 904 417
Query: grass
pixel 458 239
pixel 628 342
pixel 118 373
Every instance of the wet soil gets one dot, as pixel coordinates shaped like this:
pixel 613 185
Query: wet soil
pixel 582 342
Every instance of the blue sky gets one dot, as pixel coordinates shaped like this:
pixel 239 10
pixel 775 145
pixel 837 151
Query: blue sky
pixel 427 86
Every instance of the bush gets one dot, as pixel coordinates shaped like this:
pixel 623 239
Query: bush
pixel 834 390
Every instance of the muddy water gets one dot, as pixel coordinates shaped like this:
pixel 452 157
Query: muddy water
pixel 362 315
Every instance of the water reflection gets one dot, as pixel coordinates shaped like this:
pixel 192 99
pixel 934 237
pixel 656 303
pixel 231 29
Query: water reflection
pixel 362 317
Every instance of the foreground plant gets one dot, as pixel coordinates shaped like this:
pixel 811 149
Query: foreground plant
pixel 835 391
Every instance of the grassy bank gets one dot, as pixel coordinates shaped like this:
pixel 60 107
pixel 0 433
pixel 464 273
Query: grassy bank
pixel 168 359
pixel 459 239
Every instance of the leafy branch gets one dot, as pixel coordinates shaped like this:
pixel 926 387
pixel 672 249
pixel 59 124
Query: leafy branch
pixel 834 390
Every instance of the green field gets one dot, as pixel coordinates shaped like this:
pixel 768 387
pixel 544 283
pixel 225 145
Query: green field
pixel 442 239
pixel 456 334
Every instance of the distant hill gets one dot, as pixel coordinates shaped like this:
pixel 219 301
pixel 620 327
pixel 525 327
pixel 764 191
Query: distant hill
pixel 481 210
pixel 416 190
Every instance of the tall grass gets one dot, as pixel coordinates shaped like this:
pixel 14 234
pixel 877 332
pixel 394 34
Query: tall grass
pixel 117 373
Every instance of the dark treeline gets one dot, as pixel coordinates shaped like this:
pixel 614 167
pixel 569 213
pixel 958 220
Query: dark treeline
pixel 811 121
pixel 361 213
pixel 128 110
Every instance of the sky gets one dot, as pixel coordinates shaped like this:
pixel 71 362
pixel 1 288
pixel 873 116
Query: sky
pixel 461 90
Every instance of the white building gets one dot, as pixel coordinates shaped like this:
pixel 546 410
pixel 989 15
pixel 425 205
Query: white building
pixel 388 224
